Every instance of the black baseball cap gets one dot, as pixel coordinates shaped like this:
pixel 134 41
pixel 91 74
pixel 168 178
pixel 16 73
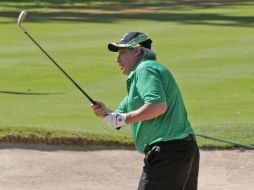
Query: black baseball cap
pixel 131 39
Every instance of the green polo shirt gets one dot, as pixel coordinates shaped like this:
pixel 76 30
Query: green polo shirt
pixel 152 83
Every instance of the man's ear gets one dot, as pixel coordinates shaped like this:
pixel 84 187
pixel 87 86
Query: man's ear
pixel 137 50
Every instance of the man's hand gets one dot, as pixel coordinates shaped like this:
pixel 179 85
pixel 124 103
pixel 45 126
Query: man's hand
pixel 100 109
pixel 115 120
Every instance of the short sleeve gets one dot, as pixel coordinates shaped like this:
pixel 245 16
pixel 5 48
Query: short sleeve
pixel 150 87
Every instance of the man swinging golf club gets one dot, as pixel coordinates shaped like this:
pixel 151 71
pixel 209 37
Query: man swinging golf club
pixel 155 109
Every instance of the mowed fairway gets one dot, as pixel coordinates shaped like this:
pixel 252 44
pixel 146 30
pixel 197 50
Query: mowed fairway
pixel 208 47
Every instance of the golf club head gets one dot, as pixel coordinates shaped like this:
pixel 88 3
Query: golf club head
pixel 22 16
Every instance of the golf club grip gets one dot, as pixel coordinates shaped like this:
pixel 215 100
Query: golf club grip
pixel 63 71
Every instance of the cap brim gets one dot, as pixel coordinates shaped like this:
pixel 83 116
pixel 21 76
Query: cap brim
pixel 115 46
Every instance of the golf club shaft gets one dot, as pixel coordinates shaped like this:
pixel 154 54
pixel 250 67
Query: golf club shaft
pixel 225 141
pixel 58 66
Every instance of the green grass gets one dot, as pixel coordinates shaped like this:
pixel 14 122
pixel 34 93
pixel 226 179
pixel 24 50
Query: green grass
pixel 208 46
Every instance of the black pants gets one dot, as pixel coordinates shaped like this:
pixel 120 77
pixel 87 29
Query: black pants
pixel 171 165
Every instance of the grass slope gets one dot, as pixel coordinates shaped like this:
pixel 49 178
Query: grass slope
pixel 207 45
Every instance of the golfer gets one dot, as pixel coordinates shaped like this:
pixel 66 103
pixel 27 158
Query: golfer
pixel 155 109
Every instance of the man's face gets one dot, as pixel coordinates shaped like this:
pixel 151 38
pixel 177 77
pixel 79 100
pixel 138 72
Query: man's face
pixel 127 59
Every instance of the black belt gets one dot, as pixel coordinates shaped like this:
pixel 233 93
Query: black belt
pixel 190 137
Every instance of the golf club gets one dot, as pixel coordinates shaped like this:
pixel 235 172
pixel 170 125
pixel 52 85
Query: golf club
pixel 21 18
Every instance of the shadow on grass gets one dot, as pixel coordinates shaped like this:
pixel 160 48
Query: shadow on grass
pixel 29 93
pixel 124 4
pixel 185 18
pixel 114 11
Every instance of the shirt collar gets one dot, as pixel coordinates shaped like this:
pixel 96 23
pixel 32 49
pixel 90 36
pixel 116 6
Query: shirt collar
pixel 134 69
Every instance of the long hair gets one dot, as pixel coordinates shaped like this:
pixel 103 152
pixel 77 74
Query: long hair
pixel 148 53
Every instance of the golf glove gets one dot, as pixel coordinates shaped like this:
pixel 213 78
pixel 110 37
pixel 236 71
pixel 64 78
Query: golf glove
pixel 115 120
